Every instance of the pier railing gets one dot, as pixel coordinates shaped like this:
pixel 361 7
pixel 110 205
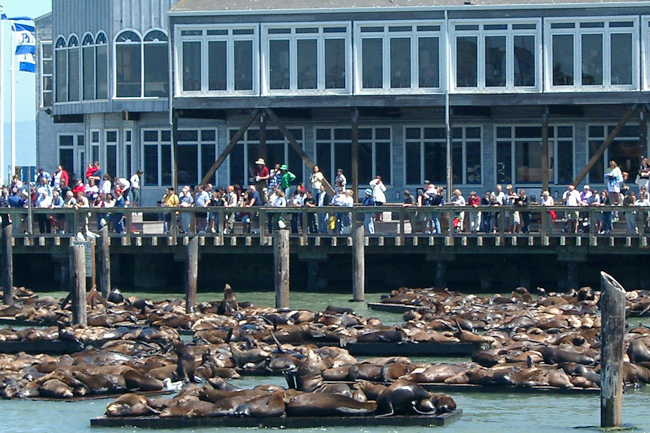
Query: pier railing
pixel 394 221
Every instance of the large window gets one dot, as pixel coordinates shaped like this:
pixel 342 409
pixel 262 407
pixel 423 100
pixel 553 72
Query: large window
pixel 73 69
pixel 307 59
pixel 88 53
pixel 46 70
pixel 71 153
pixel 101 69
pixel 157 157
pixel 333 151
pixel 278 151
pixel 218 60
pixel 142 65
pixel 624 151
pixel 426 154
pixel 398 57
pixel 519 154
pixel 196 154
pixel 61 70
pixel 94 62
pixel 496 55
pixel 593 53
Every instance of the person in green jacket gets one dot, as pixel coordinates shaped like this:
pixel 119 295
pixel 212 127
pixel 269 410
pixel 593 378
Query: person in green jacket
pixel 287 178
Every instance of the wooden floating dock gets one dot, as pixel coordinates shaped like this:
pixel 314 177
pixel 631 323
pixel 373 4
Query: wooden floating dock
pixel 391 308
pixel 52 347
pixel 105 396
pixel 444 387
pixel 414 349
pixel 155 422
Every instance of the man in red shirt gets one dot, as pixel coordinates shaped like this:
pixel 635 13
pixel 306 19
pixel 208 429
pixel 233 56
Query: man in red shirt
pixel 261 177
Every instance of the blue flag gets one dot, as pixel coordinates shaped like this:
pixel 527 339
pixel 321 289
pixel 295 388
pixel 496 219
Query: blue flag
pixel 25 46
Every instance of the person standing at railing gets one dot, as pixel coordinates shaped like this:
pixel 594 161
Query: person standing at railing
pixel 135 181
pixel 322 199
pixel 523 202
pixel 82 203
pixel 513 218
pixel 310 203
pixel 316 181
pixel 571 197
pixel 44 201
pixel 170 200
pixel 346 217
pixel 475 215
pixel 254 201
pixel 606 217
pixel 548 201
pixel 60 180
pixel 4 203
pixel 279 202
pixel 261 176
pixel 202 200
pixel 185 201
pixel 105 186
pixel 340 181
pixel 230 201
pixel 378 195
pixel 367 221
pixel 297 201
pixel 486 217
pixel 287 178
pixel 630 216
pixel 117 218
pixel 458 200
pixel 501 200
pixel 613 178
pixel 69 203
pixel 643 200
pixel 275 177
pixel 215 202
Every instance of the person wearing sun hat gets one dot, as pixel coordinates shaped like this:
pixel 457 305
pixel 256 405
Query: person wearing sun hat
pixel 261 177
pixel 368 220
pixel 287 178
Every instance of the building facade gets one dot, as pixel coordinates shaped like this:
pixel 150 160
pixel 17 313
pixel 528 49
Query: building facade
pixel 165 85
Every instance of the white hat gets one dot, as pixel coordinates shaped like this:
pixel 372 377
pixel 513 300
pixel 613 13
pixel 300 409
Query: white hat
pixel 585 187
pixel 260 161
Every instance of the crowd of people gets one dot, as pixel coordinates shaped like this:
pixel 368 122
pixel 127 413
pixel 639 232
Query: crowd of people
pixel 59 191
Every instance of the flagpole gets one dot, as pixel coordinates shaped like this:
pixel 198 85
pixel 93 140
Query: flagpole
pixel 2 100
pixel 13 104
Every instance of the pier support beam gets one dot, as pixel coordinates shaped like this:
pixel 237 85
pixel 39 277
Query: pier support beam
pixel 78 284
pixel 281 261
pixel 7 266
pixel 358 263
pixel 104 280
pixel 191 273
pixel 612 308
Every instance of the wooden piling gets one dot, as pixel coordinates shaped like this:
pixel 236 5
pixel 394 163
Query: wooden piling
pixel 7 266
pixel 281 260
pixel 78 284
pixel 104 282
pixel 358 263
pixel 191 273
pixel 612 333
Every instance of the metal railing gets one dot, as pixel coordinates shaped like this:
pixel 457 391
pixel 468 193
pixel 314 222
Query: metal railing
pixel 398 221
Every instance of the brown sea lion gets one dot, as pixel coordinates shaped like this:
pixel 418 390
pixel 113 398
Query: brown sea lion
pixel 185 362
pixel 54 388
pixel 130 405
pixel 266 406
pixel 137 380
pixel 401 398
pixel 318 404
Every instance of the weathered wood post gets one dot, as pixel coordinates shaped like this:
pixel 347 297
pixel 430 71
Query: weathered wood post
pixel 358 262
pixel 281 260
pixel 191 273
pixel 612 334
pixel 7 267
pixel 104 262
pixel 78 284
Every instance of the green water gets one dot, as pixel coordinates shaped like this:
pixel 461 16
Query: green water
pixel 484 412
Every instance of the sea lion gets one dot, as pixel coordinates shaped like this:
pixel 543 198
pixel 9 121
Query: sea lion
pixel 559 379
pixel 54 388
pixel 318 404
pixel 137 380
pixel 185 362
pixel 434 373
pixel 130 405
pixel 266 406
pixel 638 351
pixel 229 303
pixel 393 371
pixel 365 371
pixel 308 375
pixel 400 398
pixel 553 355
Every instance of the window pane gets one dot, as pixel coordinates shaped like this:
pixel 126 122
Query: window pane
pixel 208 156
pixel 187 164
pixel 243 65
pixel 466 62
pixel 66 140
pixel 592 60
pixel 435 155
pixel 365 163
pixel 237 165
pixel 323 158
pixel 191 66
pixel 428 57
pixel 626 154
pixel 342 158
pixel 597 172
pixel 495 61
pixel 166 163
pixel 372 55
pixel 151 165
pixel 61 76
pixel 524 61
pixel 111 160
pixel 382 161
pixel 563 60
pixel 307 52
pixel 217 65
pixel 102 72
pixel 334 63
pixel 457 161
pixel 473 157
pixel 156 68
pixel 73 74
pixel 66 158
pixel 504 162
pixel 89 72
pixel 413 163
pixel 279 64
pixel 400 63
pixel 564 162
pixel 621 59
pixel 528 155
pixel 128 70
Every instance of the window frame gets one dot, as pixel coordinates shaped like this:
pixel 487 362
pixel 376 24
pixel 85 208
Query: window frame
pixel 158 43
pixel 645 51
pixel 464 140
pixel 204 40
pixel 199 143
pixel 606 158
pixel 159 143
pixel 69 49
pixel 42 60
pixel 385 35
pixel 509 33
pixel 60 47
pixel 577 32
pixel 293 37
pixel 94 69
pixel 553 141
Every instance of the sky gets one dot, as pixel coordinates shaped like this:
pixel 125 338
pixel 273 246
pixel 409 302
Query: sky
pixel 25 86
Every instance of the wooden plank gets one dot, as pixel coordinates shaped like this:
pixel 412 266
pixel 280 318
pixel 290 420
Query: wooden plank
pixel 279 422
